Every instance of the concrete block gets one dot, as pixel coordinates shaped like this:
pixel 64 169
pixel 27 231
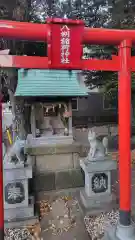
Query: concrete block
pixel 44 182
pixel 53 148
pixel 55 162
pixel 53 139
pixel 17 173
pixel 15 194
pixel 120 233
pixel 20 223
pixel 19 213
pixel 94 202
pixel 69 179
pixel 76 160
pixel 97 182
pixel 21 217
pixel 97 166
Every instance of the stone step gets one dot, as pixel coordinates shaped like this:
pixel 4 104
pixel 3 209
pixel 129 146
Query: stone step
pixel 20 212
pixel 42 141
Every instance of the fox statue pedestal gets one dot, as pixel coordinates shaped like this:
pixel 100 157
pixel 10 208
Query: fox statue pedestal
pixel 18 205
pixel 97 191
pixel 97 168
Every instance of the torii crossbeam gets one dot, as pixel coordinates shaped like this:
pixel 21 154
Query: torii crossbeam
pixel 65 39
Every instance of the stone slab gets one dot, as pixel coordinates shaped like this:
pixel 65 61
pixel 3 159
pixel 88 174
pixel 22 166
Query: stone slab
pixel 57 148
pixel 69 179
pixel 120 233
pixel 54 139
pixel 112 234
pixel 16 194
pixel 44 182
pixel 97 166
pixel 17 173
pixel 54 162
pixel 19 213
pixel 49 181
pixel 21 217
pixel 87 211
pixel 77 232
pixel 95 202
pixel 22 223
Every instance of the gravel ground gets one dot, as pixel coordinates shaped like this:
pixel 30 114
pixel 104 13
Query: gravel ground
pixel 18 234
pixel 29 233
pixel 60 219
pixel 95 225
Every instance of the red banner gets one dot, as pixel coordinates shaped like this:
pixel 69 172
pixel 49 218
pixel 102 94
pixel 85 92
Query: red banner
pixel 65 44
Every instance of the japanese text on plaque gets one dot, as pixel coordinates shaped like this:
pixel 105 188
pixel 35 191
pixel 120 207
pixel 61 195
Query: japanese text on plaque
pixel 65 44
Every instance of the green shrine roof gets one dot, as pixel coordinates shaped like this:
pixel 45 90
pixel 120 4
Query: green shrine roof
pixel 49 83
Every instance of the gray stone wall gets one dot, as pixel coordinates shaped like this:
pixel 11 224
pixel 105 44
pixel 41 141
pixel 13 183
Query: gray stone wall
pixel 57 167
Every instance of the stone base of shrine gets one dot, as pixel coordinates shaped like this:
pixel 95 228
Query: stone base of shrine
pixel 20 212
pixel 96 204
pixel 21 216
pixel 120 233
pixel 49 140
pixel 56 166
pixel 20 223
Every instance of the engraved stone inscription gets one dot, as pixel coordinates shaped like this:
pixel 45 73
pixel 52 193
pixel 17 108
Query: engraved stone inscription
pixel 99 183
pixel 14 193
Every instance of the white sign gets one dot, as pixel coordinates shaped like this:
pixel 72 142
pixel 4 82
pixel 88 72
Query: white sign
pixel 65 44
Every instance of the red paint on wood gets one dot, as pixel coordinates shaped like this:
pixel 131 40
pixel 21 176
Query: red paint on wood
pixel 30 62
pixel 1 173
pixel 64 48
pixel 101 65
pixel 124 96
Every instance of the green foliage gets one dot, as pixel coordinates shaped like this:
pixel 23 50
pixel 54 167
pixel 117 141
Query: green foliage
pixel 122 17
pixel 95 13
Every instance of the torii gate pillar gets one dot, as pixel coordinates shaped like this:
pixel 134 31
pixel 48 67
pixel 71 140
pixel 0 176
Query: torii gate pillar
pixel 124 103
pixel 125 230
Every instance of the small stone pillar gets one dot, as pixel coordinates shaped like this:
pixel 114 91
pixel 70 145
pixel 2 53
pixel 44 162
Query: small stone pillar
pixel 97 168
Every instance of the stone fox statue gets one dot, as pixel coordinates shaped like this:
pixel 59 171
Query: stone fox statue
pixel 16 153
pixel 97 148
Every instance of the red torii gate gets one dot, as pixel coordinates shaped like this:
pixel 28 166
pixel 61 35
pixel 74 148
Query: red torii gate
pixel 65 39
